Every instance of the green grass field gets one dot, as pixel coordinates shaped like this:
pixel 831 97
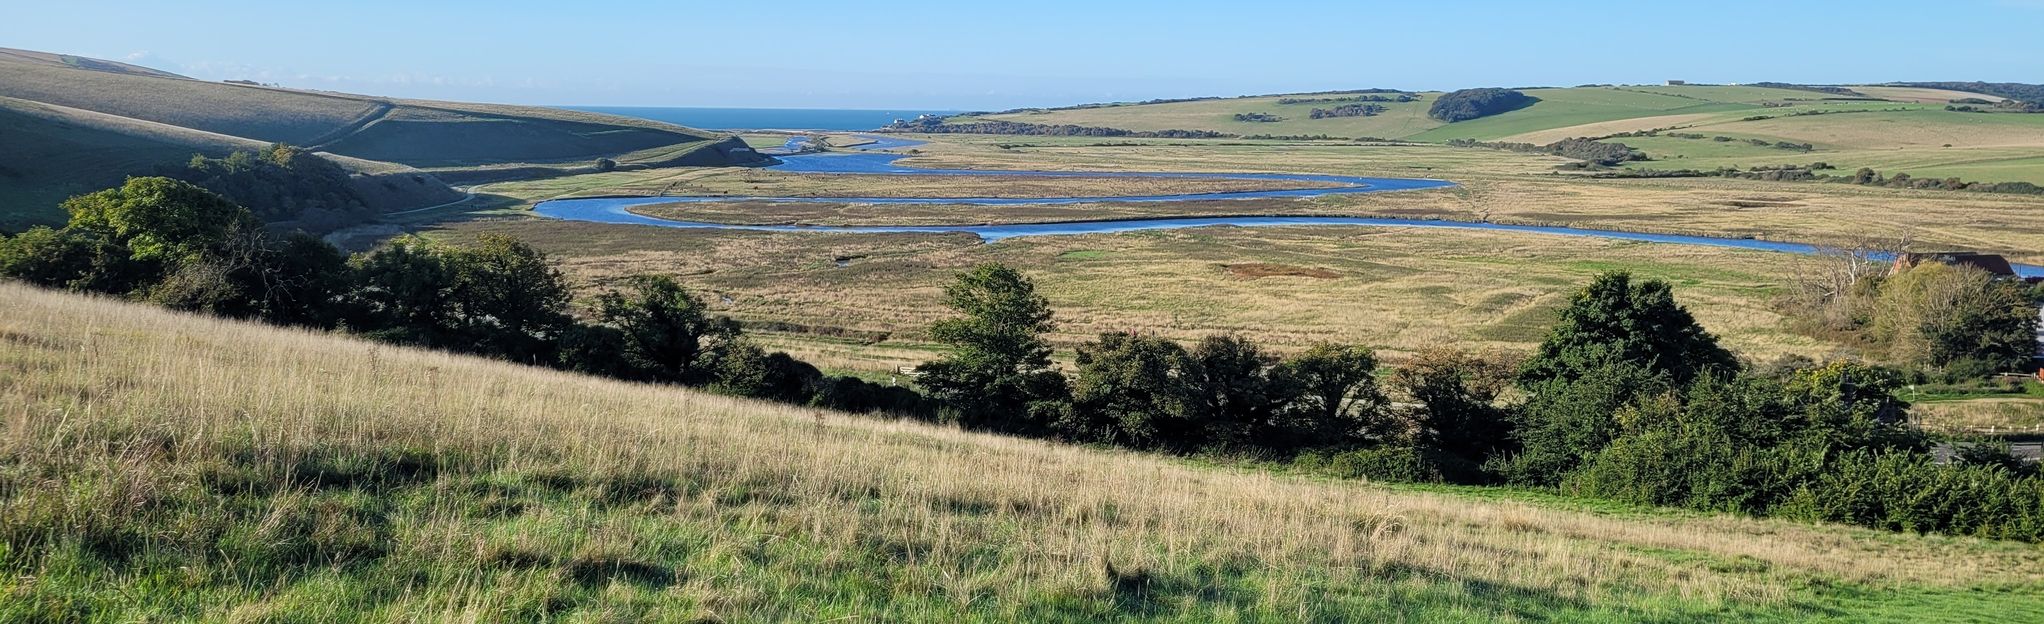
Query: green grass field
pixel 200 469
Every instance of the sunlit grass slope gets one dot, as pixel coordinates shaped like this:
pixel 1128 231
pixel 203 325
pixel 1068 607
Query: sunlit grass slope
pixel 160 466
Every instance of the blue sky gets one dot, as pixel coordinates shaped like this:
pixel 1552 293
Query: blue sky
pixel 975 55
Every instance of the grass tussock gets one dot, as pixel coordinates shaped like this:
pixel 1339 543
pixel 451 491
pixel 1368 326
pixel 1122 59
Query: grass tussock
pixel 161 466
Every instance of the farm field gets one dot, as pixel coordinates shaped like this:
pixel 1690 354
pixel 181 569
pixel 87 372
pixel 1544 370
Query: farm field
pixel 1908 131
pixel 223 436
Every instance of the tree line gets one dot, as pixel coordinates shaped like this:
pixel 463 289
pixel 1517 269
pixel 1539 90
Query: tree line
pixel 1864 176
pixel 1400 98
pixel 1602 153
pixel 1626 399
pixel 1349 110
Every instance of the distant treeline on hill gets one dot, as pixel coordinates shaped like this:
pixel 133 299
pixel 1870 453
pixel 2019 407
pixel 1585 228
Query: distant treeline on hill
pixel 1473 103
pixel 1402 97
pixel 1258 117
pixel 1812 173
pixel 1834 90
pixel 1977 105
pixel 1588 150
pixel 934 125
pixel 1349 110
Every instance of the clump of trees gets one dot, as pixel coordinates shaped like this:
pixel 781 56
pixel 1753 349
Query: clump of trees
pixel 1470 104
pixel 1864 176
pixel 1258 117
pixel 1601 153
pixel 1949 320
pixel 1141 391
pixel 171 243
pixel 1399 97
pixel 1349 110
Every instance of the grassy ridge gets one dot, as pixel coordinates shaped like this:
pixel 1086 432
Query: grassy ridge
pixel 404 131
pixel 195 468
pixel 76 125
pixel 1909 132
pixel 56 152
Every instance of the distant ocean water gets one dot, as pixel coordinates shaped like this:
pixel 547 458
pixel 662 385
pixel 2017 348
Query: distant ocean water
pixel 764 118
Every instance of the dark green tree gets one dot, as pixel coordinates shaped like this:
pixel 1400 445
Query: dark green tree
pixel 1568 420
pixel 998 374
pixel 1455 402
pixel 512 302
pixel 496 297
pixel 1237 395
pixel 667 333
pixel 1336 399
pixel 1617 320
pixel 1131 390
pixel 404 292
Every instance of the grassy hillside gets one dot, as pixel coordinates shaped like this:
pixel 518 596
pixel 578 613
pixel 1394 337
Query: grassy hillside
pixel 1908 130
pixel 76 125
pixel 196 468
pixel 419 133
pixel 55 152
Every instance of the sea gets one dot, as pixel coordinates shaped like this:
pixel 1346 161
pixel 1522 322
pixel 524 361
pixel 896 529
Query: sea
pixel 841 119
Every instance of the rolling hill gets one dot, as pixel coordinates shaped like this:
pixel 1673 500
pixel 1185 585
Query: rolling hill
pixel 203 469
pixel 84 124
pixel 1890 128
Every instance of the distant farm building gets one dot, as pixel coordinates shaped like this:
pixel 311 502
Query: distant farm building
pixel 1993 264
pixel 1677 83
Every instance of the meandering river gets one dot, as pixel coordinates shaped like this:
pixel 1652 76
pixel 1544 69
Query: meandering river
pixel 871 161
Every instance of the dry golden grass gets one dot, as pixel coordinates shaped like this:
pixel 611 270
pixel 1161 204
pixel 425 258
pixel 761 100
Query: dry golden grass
pixel 100 383
pixel 1398 289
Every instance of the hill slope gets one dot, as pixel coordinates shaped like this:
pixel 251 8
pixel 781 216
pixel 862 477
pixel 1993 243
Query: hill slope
pixel 203 469
pixel 76 124
pixel 55 152
pixel 412 132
